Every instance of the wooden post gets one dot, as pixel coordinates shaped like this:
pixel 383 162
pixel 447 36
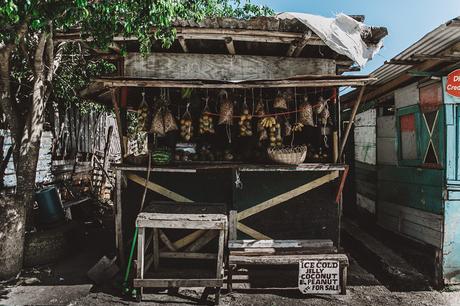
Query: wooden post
pixel 118 221
pixel 116 109
pixel 350 123
pixel 140 256
pixel 156 249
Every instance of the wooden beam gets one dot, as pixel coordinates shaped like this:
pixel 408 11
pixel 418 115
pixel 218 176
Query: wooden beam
pixel 183 242
pixel 287 195
pixel 401 62
pixel 256 84
pixel 202 241
pixel 444 58
pixel 158 189
pixel 166 241
pixel 302 43
pixel 214 34
pixel 223 67
pixel 251 232
pixel 183 43
pixel 187 255
pixel 230 46
pixel 351 121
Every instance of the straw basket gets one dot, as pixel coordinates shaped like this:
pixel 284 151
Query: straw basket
pixel 290 156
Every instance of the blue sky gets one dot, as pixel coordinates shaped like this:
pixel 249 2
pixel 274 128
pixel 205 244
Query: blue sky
pixel 406 20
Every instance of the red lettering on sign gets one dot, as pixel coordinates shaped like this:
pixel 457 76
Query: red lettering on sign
pixel 453 83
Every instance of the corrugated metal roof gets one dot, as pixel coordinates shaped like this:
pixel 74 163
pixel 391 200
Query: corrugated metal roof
pixel 432 43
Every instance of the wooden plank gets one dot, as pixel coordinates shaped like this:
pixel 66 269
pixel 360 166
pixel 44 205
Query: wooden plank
pixel 156 249
pixel 220 255
pixel 140 252
pixel 222 67
pixel 202 241
pixel 232 220
pixel 386 126
pixel 365 203
pixel 181 224
pixel 183 242
pixel 166 241
pixel 122 82
pixel 408 95
pixel 118 220
pixel 287 196
pixel 157 188
pixel 174 283
pixel 187 255
pixel 286 259
pixel 279 244
pixel 251 232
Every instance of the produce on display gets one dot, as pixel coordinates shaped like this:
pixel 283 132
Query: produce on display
pixel 280 101
pixel 143 114
pixel 161 156
pixel 245 121
pixel 206 125
pixel 226 109
pixel 186 125
pixel 297 127
pixel 306 113
pixel 163 120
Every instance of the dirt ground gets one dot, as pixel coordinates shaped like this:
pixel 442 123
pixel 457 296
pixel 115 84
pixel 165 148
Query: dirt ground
pixel 66 283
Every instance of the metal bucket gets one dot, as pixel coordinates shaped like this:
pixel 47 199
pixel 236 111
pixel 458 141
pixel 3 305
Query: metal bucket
pixel 50 212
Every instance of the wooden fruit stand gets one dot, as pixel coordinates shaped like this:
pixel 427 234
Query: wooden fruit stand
pixel 249 63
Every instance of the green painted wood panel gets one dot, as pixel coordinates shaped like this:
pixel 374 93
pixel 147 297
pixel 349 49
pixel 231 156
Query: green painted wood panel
pixel 419 188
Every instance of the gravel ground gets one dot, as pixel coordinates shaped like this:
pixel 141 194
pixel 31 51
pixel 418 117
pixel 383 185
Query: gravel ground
pixel 356 296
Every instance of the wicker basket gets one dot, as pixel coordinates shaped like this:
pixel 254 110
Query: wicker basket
pixel 289 156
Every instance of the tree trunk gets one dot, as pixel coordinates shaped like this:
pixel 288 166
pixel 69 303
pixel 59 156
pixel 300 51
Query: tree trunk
pixel 12 229
pixel 18 210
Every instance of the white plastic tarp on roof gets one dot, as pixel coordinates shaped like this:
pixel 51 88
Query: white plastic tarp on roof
pixel 342 34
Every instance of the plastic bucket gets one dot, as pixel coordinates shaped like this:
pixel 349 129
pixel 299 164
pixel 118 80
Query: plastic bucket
pixel 50 212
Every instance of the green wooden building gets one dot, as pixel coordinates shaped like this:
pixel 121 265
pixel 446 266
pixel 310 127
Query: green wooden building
pixel 405 149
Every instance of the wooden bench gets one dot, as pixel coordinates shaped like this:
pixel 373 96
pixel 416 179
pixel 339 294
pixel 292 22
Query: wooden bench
pixel 283 252
pixel 170 278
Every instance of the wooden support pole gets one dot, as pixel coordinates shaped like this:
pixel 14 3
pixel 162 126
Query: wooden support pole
pixel 350 123
pixel 116 110
pixel 230 45
pixel 183 43
pixel 158 189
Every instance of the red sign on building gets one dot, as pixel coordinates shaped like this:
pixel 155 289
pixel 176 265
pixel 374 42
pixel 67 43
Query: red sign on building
pixel 453 83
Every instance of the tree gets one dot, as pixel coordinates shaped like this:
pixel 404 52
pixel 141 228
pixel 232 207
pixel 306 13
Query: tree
pixel 26 39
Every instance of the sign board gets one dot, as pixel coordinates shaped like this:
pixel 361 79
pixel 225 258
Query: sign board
pixel 453 83
pixel 319 277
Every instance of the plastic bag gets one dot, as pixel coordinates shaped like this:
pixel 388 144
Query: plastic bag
pixel 306 113
pixel 226 110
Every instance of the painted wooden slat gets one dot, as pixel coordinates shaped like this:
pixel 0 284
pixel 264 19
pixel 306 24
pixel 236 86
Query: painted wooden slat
pixel 451 245
pixel 367 189
pixel 159 189
pixel 423 218
pixel 410 229
pixel 251 232
pixel 222 67
pixel 365 203
pixel 411 175
pixel 386 127
pixel 367 118
pixel 287 196
pixel 387 151
pixel 406 96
